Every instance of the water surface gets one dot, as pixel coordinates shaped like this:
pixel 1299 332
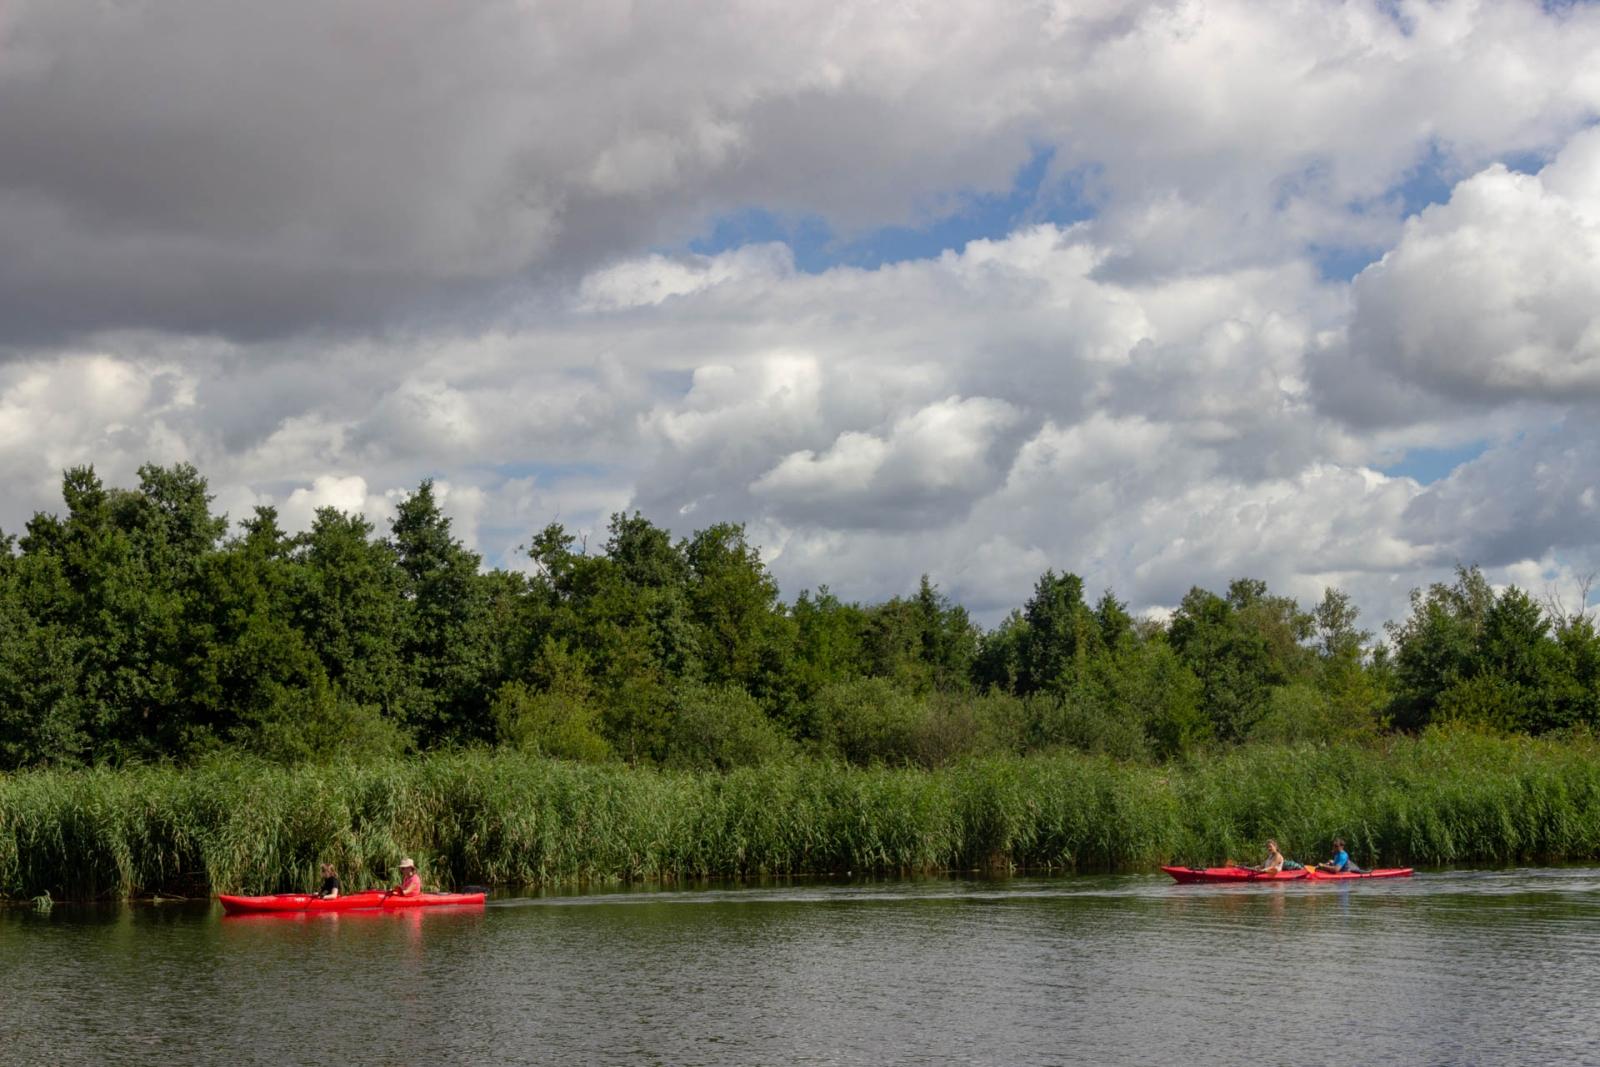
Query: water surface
pixel 1447 968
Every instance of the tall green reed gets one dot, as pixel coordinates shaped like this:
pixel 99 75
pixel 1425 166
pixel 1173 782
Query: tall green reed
pixel 510 819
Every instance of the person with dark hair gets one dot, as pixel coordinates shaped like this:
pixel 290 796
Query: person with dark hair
pixel 1340 864
pixel 330 883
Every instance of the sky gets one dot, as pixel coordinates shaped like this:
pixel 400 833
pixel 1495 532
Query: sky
pixel 1162 294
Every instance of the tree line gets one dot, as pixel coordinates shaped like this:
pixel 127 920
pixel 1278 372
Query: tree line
pixel 134 627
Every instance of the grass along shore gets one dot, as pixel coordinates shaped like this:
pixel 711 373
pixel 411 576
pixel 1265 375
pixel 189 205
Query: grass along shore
pixel 504 818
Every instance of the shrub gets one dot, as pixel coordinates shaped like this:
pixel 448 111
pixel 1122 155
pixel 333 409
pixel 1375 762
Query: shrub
pixel 1078 720
pixel 720 727
pixel 866 721
pixel 557 724
pixel 1304 713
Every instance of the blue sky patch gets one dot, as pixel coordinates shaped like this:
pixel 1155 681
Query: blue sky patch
pixel 1343 263
pixel 1430 182
pixel 1032 198
pixel 1429 465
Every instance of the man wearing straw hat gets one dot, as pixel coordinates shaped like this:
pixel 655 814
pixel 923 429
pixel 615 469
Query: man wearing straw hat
pixel 410 882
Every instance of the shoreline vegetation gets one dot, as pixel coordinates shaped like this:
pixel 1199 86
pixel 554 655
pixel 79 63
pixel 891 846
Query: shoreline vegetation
pixel 190 705
pixel 504 818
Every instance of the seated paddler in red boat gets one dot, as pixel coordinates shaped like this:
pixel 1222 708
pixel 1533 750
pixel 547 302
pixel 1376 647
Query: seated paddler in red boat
pixel 1274 861
pixel 410 882
pixel 1340 863
pixel 330 883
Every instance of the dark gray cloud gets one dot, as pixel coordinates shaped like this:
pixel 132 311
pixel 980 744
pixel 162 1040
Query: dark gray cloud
pixel 263 170
pixel 254 170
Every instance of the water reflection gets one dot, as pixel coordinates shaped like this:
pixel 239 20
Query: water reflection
pixel 1476 967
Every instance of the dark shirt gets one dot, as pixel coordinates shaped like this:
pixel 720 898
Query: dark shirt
pixel 330 884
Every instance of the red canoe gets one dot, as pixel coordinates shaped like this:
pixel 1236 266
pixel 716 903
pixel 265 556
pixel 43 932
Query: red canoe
pixel 368 900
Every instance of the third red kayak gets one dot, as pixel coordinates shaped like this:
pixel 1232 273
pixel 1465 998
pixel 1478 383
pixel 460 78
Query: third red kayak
pixel 368 900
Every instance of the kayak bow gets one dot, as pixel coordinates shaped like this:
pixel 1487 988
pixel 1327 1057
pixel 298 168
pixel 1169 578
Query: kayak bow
pixel 366 900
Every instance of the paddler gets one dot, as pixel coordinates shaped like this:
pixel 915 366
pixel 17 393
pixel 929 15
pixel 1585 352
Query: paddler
pixel 410 881
pixel 1274 861
pixel 1340 864
pixel 330 883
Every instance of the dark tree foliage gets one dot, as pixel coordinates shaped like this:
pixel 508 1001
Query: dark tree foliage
pixel 998 666
pixel 1241 646
pixel 922 643
pixel 1060 636
pixel 133 628
pixel 1470 654
pixel 445 649
pixel 345 596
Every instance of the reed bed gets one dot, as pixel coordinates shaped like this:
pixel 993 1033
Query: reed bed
pixel 503 818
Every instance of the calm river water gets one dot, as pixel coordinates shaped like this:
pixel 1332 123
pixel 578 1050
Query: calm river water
pixel 1448 968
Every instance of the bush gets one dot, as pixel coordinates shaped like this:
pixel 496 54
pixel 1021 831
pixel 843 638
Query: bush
pixel 1302 713
pixel 720 727
pixel 557 724
pixel 1077 719
pixel 954 726
pixel 318 723
pixel 866 721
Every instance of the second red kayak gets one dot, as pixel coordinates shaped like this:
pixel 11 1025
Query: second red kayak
pixel 369 900
pixel 1217 875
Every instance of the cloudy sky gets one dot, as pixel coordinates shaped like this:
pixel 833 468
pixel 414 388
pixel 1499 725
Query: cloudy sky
pixel 1162 293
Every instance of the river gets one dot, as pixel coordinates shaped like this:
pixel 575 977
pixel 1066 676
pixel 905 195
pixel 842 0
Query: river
pixel 1497 967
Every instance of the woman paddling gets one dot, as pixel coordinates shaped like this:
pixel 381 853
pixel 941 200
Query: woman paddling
pixel 330 883
pixel 410 882
pixel 1274 861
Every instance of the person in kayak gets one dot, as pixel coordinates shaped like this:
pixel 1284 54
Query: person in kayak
pixel 1274 861
pixel 1340 864
pixel 330 883
pixel 410 882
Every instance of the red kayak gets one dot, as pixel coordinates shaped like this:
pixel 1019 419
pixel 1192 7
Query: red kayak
pixel 1231 874
pixel 367 900
pixel 1190 875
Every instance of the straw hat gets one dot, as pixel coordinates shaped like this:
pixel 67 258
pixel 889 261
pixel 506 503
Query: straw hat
pixel 408 862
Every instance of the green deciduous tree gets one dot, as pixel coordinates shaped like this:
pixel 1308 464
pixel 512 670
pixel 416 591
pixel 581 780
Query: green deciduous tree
pixel 445 650
pixel 1061 635
pixel 1240 646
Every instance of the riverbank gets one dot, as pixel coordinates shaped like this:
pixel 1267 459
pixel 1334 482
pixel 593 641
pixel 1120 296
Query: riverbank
pixel 503 818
